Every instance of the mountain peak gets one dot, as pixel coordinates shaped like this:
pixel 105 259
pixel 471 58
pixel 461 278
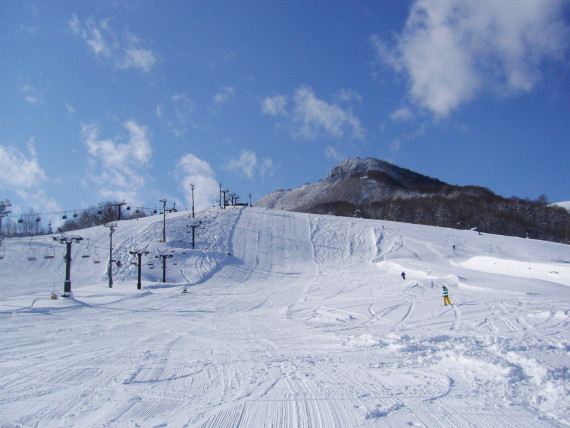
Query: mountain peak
pixel 356 166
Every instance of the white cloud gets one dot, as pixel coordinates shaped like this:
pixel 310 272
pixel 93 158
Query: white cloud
pixel 70 109
pixel 118 165
pixel 349 95
pixel 18 170
pixel 275 106
pixel 333 154
pixel 312 118
pixel 402 114
pixel 266 167
pixel 92 35
pixel 192 170
pixel 224 95
pixel 396 145
pixel 176 115
pixel 23 175
pixel 248 163
pixel 137 57
pixel 104 43
pixel 31 95
pixel 451 50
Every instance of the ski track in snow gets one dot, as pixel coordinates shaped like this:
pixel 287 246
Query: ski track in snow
pixel 289 320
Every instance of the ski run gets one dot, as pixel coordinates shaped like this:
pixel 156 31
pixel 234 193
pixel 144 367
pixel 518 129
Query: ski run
pixel 289 320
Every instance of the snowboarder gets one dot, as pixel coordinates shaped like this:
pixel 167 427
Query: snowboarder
pixel 403 275
pixel 445 296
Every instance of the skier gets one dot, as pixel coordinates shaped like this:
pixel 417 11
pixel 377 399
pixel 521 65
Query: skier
pixel 403 275
pixel 446 296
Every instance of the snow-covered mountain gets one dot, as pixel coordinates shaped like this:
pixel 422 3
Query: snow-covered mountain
pixel 565 205
pixel 376 189
pixel 353 181
pixel 289 320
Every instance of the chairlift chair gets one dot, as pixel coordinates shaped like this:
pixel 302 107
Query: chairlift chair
pixel 32 255
pixel 50 253
pixel 96 259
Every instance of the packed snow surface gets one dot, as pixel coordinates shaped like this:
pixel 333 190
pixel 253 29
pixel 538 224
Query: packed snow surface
pixel 289 320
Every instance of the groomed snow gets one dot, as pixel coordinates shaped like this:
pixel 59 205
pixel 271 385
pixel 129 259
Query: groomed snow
pixel 290 320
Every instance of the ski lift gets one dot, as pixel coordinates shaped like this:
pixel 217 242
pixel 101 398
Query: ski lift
pixel 150 265
pixel 96 259
pixel 137 211
pixel 38 219
pixel 31 253
pixel 86 253
pixel 155 211
pixel 21 220
pixel 128 207
pixel 74 215
pixel 99 212
pixel 64 216
pixel 50 252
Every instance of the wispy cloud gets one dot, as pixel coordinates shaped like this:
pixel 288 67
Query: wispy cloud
pixel 118 165
pixel 312 118
pixel 31 94
pixel 20 171
pixel 402 114
pixel 274 106
pixel 452 50
pixel 123 53
pixel 176 114
pixel 333 154
pixel 23 175
pixel 194 171
pixel 248 164
pixel 224 95
pixel 349 95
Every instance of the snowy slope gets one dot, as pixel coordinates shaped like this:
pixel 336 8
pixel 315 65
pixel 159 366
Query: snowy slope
pixel 565 205
pixel 290 320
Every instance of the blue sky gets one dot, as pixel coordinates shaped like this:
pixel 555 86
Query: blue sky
pixel 136 100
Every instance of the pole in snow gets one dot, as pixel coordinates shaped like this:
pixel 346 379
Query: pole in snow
pixel 139 255
pixel 68 240
pixel 112 227
pixel 194 226
pixel 163 219
pixel 192 187
pixel 164 257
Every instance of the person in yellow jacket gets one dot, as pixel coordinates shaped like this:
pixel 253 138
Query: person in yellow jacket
pixel 446 296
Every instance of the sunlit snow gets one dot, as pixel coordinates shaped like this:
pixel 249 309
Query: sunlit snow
pixel 289 320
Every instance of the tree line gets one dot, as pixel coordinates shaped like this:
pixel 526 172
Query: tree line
pixel 489 213
pixel 31 223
